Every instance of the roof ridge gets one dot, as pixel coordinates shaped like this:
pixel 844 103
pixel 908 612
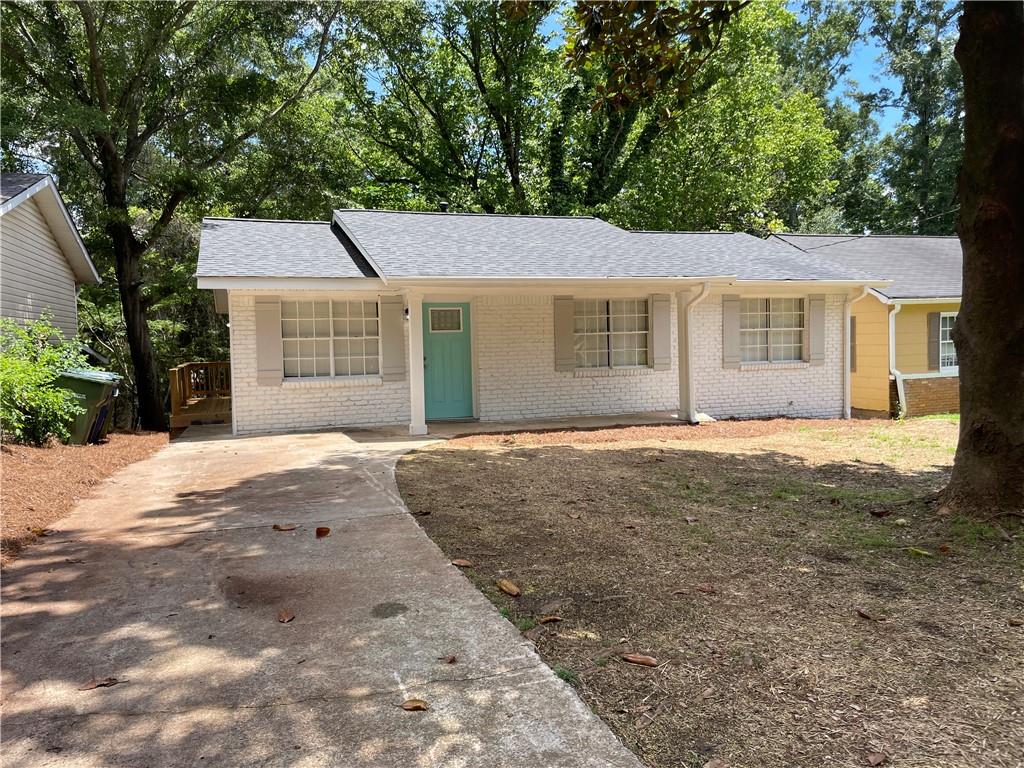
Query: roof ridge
pixel 272 221
pixel 472 213
pixel 683 232
pixel 855 236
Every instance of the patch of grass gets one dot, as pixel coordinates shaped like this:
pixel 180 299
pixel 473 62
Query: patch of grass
pixel 525 623
pixel 566 674
pixel 952 418
pixel 974 532
pixel 504 611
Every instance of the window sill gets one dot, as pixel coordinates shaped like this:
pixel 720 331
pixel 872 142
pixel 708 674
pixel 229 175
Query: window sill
pixel 786 366
pixel 328 382
pixel 589 373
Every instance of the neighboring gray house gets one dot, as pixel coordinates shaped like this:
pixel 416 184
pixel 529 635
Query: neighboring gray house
pixel 42 258
pixel 385 317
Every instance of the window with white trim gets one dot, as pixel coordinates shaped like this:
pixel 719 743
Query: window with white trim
pixel 771 330
pixel 947 350
pixel 330 338
pixel 611 333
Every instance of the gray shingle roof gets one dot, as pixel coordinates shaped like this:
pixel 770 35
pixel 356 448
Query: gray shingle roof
pixel 920 266
pixel 412 244
pixel 261 248
pixel 12 184
pixel 407 244
pixel 743 255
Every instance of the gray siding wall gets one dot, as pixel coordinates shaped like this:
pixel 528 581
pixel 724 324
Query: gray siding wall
pixel 34 275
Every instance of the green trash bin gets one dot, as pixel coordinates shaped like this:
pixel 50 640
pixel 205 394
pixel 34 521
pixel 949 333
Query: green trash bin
pixel 95 392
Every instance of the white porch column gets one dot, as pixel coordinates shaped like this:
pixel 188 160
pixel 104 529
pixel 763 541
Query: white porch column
pixel 685 302
pixel 417 409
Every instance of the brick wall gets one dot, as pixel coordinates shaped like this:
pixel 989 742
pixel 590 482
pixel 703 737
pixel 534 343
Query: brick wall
pixel 757 391
pixel 514 346
pixel 515 376
pixel 938 394
pixel 302 404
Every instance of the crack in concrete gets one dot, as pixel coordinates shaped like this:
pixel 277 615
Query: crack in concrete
pixel 375 693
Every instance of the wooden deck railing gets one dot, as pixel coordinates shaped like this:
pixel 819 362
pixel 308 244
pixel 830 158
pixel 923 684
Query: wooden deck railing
pixel 192 381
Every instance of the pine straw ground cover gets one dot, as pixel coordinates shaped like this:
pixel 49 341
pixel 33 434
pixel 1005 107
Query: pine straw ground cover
pixel 791 626
pixel 39 486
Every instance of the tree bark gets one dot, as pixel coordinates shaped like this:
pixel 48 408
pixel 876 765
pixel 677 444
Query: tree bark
pixel 988 471
pixel 128 251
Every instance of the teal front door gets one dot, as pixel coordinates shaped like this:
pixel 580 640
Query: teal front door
pixel 447 362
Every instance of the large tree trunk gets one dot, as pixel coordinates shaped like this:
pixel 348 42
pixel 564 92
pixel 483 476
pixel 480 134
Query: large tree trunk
pixel 988 473
pixel 133 306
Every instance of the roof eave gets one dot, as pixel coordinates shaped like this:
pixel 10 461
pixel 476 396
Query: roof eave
pixel 61 225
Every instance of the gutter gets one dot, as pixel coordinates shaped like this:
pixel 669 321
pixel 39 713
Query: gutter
pixel 847 304
pixel 691 395
pixel 901 395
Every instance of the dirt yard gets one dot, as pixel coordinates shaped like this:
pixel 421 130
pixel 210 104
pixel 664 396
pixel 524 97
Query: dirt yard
pixel 40 485
pixel 803 605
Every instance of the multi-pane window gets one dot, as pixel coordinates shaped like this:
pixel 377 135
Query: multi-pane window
pixel 611 333
pixel 771 330
pixel 947 350
pixel 330 338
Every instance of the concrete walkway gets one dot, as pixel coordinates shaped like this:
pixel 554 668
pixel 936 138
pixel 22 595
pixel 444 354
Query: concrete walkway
pixel 171 580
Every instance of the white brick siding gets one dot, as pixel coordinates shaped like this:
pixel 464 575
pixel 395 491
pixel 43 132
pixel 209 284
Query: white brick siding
pixel 781 389
pixel 302 404
pixel 514 346
pixel 515 376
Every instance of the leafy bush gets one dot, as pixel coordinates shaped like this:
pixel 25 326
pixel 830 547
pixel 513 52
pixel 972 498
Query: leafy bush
pixel 32 408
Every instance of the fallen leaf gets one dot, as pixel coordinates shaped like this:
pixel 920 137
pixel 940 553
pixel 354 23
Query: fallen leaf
pixel 868 615
pixel 286 527
pixel 103 682
pixel 323 531
pixel 548 619
pixel 462 562
pixel 880 512
pixel 574 515
pixel 40 532
pixel 716 763
pixel 707 589
pixel 875 758
pixel 639 658
pixel 691 520
pixel 73 560
pixel 448 659
pixel 1016 622
pixel 919 552
pixel 285 616
pixel 945 549
pixel 415 705
pixel 509 587
pixel 629 527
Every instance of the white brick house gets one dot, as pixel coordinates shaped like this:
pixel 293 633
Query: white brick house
pixel 384 317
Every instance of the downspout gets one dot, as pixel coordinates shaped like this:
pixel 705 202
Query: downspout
pixel 691 396
pixel 847 304
pixel 901 396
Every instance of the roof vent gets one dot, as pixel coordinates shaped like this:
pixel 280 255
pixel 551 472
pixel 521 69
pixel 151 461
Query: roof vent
pixel 443 206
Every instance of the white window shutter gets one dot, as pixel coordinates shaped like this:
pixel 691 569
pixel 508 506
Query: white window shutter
pixel 269 352
pixel 816 328
pixel 659 340
pixel 731 331
pixel 392 338
pixel 565 350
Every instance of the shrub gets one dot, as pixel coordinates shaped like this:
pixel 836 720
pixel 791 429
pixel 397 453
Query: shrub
pixel 32 355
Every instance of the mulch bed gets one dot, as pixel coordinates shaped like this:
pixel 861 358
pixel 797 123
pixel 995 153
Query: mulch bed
pixel 42 485
pixel 804 605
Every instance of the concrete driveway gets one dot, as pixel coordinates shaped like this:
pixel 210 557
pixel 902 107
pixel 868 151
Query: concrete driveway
pixel 171 578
